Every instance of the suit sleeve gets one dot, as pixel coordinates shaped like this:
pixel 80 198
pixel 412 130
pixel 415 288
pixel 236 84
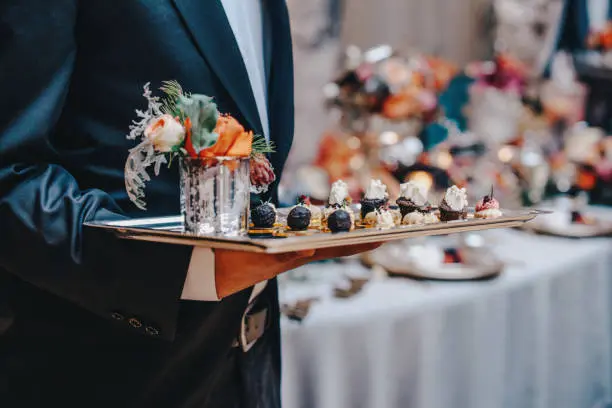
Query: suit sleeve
pixel 42 208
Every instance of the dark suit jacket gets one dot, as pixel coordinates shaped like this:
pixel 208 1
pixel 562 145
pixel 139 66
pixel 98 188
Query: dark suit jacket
pixel 87 320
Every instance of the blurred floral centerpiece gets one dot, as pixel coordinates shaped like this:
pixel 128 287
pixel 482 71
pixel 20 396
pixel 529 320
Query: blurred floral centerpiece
pixel 378 82
pixel 495 106
pixel 220 162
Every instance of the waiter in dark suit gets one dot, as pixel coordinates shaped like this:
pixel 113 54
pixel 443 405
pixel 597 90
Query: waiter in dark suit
pixel 90 321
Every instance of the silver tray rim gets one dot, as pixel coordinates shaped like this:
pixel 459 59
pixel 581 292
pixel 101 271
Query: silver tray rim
pixel 163 230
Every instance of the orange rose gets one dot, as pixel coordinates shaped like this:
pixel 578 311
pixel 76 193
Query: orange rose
pixel 228 126
pixel 233 139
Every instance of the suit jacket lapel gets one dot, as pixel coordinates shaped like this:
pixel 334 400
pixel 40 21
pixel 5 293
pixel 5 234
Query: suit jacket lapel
pixel 280 92
pixel 214 38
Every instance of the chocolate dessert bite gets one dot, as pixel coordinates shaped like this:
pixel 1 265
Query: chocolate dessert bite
pixel 454 204
pixel 299 218
pixel 375 198
pixel 340 221
pixel 263 215
pixel 412 198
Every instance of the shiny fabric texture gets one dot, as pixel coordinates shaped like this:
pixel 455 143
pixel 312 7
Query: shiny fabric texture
pixel 85 319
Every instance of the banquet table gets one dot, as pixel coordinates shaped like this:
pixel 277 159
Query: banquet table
pixel 539 335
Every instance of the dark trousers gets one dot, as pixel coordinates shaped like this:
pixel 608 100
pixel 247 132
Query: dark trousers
pixel 249 380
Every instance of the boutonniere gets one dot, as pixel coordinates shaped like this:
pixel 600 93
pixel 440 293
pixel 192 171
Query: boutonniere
pixel 183 125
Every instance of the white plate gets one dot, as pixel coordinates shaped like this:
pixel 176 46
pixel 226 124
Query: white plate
pixel 555 226
pixel 479 264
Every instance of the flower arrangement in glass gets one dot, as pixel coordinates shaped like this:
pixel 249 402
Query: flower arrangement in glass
pixel 220 163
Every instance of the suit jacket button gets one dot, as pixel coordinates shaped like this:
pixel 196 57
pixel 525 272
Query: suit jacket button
pixel 152 331
pixel 135 323
pixel 117 316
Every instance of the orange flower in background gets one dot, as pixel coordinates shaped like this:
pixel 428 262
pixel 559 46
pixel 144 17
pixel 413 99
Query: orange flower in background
pixel 233 139
pixel 401 105
pixel 600 40
pixel 443 71
pixel 606 37
pixel 586 178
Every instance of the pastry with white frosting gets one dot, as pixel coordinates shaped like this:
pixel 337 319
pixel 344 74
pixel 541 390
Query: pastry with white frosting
pixel 339 200
pixel 375 198
pixel 339 194
pixel 419 218
pixel 413 218
pixel 384 219
pixel 454 205
pixel 412 198
pixel 397 215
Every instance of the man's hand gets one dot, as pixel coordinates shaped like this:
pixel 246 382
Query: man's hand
pixel 236 270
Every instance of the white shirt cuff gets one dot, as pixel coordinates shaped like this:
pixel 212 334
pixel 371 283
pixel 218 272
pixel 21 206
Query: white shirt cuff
pixel 200 282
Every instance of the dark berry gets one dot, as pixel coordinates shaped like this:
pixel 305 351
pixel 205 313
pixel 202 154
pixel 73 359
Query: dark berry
pixel 263 216
pixel 299 218
pixel 339 221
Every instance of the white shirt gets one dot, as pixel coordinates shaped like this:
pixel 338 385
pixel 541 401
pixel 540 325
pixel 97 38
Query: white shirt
pixel 245 18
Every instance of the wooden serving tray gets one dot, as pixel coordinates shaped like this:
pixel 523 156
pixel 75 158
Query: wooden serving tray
pixel 170 230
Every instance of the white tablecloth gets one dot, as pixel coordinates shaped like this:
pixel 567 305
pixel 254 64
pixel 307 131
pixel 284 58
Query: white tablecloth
pixel 540 335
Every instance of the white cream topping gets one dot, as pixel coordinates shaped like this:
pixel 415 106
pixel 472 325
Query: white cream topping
pixel 430 218
pixel 376 191
pixel 327 211
pixel 413 192
pixel 339 192
pixel 315 213
pixel 456 198
pixel 413 218
pixel 371 218
pixel 384 220
pixel 397 216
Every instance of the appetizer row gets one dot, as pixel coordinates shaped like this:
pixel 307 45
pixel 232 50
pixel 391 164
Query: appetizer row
pixel 412 208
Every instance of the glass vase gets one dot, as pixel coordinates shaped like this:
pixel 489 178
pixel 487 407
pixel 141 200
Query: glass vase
pixel 215 195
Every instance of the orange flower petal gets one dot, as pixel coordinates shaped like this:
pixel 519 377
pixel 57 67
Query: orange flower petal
pixel 188 141
pixel 242 146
